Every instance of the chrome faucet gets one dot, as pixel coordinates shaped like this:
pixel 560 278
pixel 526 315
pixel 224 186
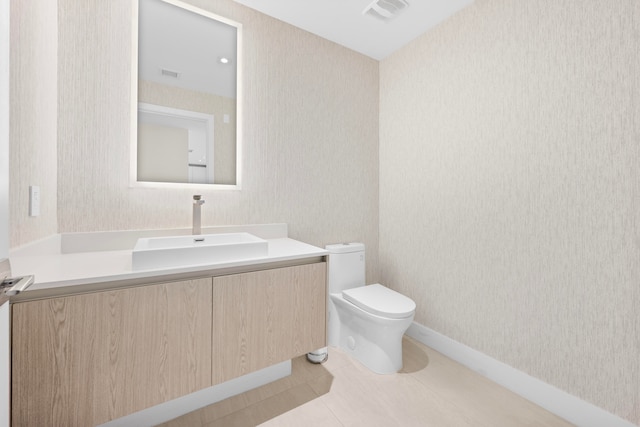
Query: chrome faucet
pixel 197 203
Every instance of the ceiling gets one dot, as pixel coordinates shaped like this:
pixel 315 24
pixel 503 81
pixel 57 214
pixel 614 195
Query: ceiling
pixel 343 21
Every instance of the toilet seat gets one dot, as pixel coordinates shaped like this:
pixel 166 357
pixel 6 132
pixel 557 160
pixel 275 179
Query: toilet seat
pixel 381 301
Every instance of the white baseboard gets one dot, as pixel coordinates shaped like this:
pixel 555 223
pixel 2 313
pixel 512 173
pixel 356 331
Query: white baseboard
pixel 554 400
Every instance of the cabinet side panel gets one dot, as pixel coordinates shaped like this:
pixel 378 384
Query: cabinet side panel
pixel 5 366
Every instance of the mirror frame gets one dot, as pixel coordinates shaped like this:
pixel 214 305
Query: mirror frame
pixel 133 167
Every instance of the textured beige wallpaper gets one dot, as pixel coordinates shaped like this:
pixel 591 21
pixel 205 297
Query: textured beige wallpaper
pixel 310 154
pixel 32 127
pixel 510 188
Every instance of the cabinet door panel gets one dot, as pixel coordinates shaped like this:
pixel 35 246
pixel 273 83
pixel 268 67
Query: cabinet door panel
pixel 87 359
pixel 266 317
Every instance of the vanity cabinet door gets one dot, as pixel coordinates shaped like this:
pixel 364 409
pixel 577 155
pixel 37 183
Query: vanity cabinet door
pixel 266 317
pixel 86 359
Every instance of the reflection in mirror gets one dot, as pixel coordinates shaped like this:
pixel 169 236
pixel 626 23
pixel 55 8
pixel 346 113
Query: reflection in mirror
pixel 187 91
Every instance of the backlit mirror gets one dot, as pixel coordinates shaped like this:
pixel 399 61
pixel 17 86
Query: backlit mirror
pixel 187 97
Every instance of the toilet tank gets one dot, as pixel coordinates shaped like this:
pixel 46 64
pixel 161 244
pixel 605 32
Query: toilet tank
pixel 346 266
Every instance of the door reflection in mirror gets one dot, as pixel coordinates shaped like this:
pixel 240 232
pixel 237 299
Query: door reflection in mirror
pixel 173 145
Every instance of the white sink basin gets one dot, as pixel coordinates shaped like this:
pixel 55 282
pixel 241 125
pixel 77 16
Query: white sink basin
pixel 178 251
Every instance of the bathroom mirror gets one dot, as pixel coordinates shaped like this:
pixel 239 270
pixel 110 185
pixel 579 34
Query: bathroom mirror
pixel 187 115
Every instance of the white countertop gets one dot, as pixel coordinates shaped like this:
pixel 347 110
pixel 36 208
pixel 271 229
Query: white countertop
pixel 54 269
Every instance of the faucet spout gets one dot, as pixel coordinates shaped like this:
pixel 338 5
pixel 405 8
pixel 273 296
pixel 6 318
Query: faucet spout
pixel 197 217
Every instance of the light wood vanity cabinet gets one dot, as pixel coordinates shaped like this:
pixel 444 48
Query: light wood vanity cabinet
pixel 86 359
pixel 271 316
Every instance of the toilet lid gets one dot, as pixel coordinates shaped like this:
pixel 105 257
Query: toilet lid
pixel 379 300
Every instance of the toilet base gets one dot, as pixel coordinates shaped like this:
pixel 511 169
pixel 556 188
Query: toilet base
pixel 374 341
pixel 372 356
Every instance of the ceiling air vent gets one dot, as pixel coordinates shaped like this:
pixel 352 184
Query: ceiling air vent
pixel 169 73
pixel 385 10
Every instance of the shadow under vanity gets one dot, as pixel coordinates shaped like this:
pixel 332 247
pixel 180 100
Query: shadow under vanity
pixel 94 340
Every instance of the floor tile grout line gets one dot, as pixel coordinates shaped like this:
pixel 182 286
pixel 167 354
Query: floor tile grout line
pixel 333 414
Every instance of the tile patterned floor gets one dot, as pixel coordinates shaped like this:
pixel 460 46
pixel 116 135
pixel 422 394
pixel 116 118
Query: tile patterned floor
pixel 431 390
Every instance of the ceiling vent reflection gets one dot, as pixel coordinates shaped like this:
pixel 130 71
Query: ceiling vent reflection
pixel 385 10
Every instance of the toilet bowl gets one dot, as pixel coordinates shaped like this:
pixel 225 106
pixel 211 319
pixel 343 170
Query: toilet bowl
pixel 367 322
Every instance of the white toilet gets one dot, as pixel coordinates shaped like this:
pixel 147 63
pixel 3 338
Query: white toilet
pixel 367 322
